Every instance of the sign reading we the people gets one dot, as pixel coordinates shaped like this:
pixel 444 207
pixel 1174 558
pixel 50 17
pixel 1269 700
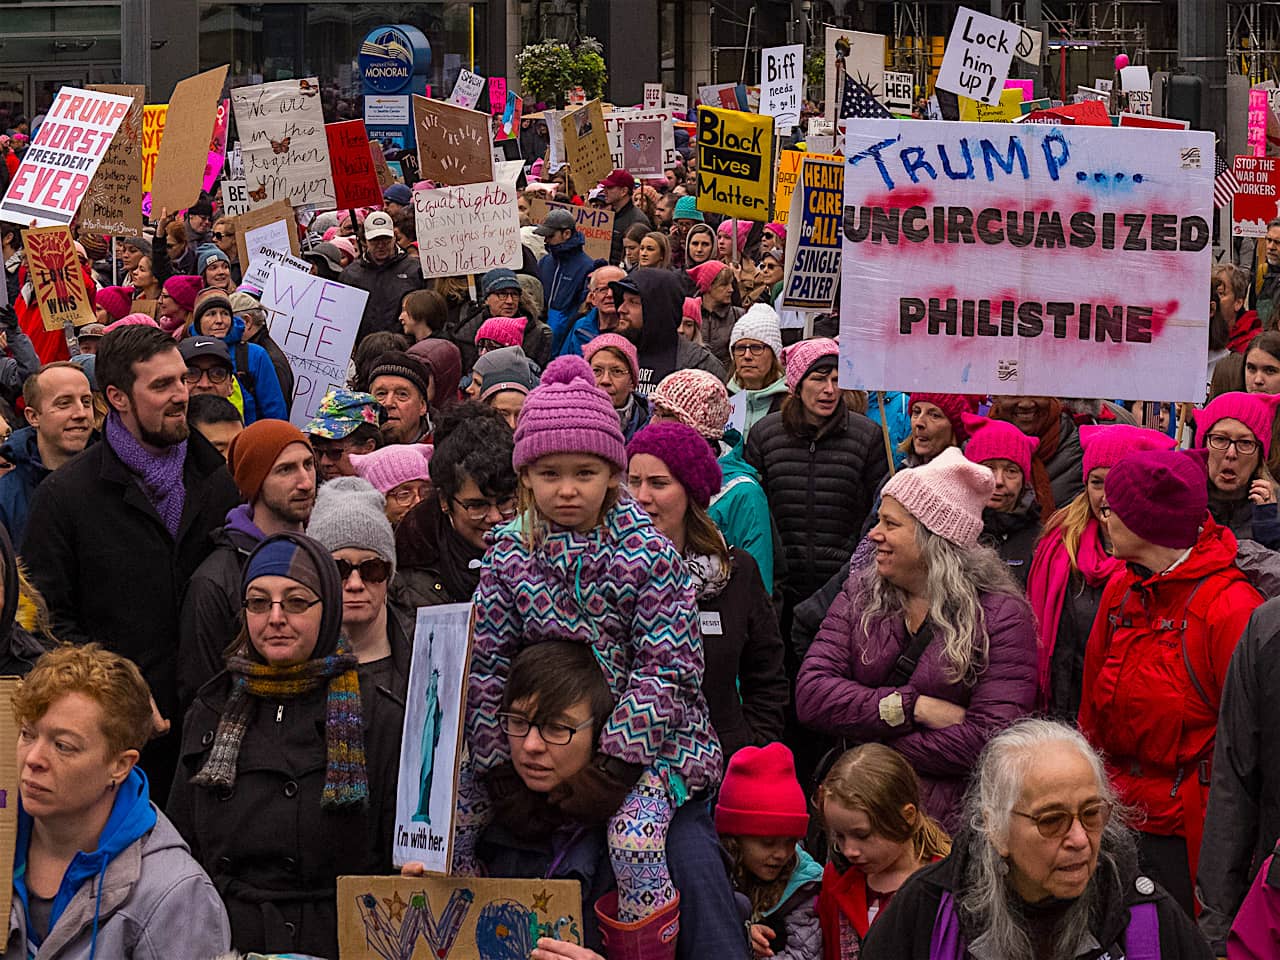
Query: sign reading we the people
pixel 1025 259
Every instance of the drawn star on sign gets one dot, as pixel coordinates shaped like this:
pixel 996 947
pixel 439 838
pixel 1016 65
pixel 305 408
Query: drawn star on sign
pixel 395 906
pixel 541 900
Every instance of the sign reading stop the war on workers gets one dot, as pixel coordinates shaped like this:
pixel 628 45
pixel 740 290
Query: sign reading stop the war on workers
pixel 1025 259
pixel 59 165
pixel 735 154
pixel 1257 201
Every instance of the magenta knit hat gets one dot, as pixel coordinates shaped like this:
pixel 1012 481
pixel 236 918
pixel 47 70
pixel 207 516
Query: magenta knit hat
pixel 946 494
pixel 615 342
pixel 799 358
pixel 692 308
pixel 998 440
pixel 183 287
pixel 1255 410
pixel 744 230
pixel 1105 445
pixel 508 331
pixel 568 413
pixel 952 406
pixel 1161 495
pixel 393 465
pixel 778 229
pixel 761 795
pixel 704 274
pixel 687 455
pixel 696 398
pixel 115 300
pixel 133 320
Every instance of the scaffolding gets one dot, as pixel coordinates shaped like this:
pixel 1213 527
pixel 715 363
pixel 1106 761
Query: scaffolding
pixel 1253 40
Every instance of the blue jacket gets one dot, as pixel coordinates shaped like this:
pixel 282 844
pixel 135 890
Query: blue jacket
pixel 898 413
pixel 19 484
pixel 266 400
pixel 585 329
pixel 563 272
pixel 741 509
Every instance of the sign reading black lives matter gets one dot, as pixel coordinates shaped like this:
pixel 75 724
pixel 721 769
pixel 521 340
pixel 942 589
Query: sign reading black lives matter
pixel 735 157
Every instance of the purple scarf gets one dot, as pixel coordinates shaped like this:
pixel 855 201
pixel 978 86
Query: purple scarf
pixel 159 475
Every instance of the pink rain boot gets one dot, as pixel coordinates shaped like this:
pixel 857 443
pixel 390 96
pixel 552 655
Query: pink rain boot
pixel 653 938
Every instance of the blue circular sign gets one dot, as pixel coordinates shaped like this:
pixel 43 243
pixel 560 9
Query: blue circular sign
pixel 390 56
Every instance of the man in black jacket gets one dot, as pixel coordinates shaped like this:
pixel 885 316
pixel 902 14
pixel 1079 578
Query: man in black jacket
pixel 648 302
pixel 386 272
pixel 619 187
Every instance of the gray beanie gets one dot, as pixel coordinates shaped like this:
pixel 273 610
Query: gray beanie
pixel 349 512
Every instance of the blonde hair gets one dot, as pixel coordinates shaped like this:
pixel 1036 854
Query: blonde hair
pixel 1071 520
pixel 534 526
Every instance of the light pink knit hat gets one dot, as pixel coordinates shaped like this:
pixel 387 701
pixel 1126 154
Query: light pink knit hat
pixel 946 494
pixel 799 358
pixel 393 465
pixel 620 345
pixel 697 398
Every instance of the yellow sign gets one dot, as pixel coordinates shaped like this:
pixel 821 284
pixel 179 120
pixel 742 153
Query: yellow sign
pixel 1009 108
pixel 735 163
pixel 153 118
pixel 789 175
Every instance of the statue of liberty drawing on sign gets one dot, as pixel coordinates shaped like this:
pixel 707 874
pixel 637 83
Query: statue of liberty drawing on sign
pixel 430 738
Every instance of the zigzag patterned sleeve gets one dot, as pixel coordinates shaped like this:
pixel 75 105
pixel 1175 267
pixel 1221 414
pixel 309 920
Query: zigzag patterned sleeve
pixel 494 646
pixel 666 664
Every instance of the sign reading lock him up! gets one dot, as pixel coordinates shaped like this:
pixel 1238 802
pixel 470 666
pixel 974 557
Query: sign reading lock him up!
pixel 978 54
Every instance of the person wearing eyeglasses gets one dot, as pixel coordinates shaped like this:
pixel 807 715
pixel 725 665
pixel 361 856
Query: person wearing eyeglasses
pixel 289 761
pixel 224 235
pixel 755 365
pixel 208 368
pixel 346 422
pixel 1046 867
pixel 1236 429
pixel 1156 660
pixel 399 473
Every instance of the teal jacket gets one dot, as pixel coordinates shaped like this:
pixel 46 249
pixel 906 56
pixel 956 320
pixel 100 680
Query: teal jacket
pixel 741 509
pixel 759 403
pixel 898 412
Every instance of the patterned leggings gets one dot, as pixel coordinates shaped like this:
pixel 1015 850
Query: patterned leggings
pixel 637 841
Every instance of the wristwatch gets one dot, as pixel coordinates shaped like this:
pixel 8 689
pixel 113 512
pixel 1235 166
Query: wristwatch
pixel 891 710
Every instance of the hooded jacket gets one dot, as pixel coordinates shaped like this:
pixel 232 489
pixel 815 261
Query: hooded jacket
pixel 260 386
pixel 284 372
pixel 386 283
pixel 19 650
pixel 139 895
pixel 794 920
pixel 740 511
pixel 759 403
pixel 19 484
pixel 623 219
pixel 563 272
pixel 660 348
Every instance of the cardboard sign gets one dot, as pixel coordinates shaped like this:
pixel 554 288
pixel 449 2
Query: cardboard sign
pixel 860 56
pixel 113 205
pixel 652 96
pixel 735 158
pixel 1008 109
pixel 642 148
pixel 235 198
pixel 898 92
pixel 262 261
pixel 385 177
pixel 1071 260
pixel 1257 202
pixel 283 141
pixel 782 85
pixel 594 223
pixel 431 747
pixel 314 322
pixel 458 918
pixel 184 148
pixel 468 229
pixel 355 179
pixel 58 166
pixel 466 92
pixel 813 239
pixel 789 162
pixel 147 307
pixel 217 146
pixel 153 118
pixel 271 226
pixel 453 143
pixel 613 129
pixel 9 783
pixel 978 54
pixel 55 272
pixel 586 145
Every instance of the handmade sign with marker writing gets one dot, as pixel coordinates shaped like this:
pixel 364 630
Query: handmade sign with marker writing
pixel 468 229
pixel 355 178
pixel 586 145
pixel 594 223
pixel 978 54
pixel 735 160
pixel 466 91
pixel 153 118
pixel 283 142
pixel 113 205
pixel 453 143
pixel 782 85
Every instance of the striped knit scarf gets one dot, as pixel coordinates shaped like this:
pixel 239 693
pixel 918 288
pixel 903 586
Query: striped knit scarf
pixel 346 782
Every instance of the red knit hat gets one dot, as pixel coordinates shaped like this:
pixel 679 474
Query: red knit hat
pixel 952 406
pixel 1105 445
pixel 508 331
pixel 760 795
pixel 704 274
pixel 998 440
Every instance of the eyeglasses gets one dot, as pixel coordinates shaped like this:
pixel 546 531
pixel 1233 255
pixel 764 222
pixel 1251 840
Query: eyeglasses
pixel 215 375
pixel 292 605
pixel 1221 442
pixel 506 294
pixel 1056 824
pixel 373 570
pixel 330 451
pixel 479 509
pixel 405 495
pixel 755 349
pixel 557 734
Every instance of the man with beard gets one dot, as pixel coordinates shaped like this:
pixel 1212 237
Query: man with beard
pixel 274 468
pixel 649 300
pixel 125 525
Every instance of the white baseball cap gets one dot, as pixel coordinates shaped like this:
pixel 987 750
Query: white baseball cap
pixel 378 224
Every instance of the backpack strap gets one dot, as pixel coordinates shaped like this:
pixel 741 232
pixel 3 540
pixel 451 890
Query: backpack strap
pixel 946 943
pixel 1142 939
pixel 1186 656
pixel 246 378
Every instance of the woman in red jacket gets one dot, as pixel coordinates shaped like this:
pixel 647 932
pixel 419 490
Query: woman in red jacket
pixel 1158 654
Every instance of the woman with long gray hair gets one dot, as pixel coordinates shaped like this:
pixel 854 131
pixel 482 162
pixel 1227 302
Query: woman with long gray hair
pixel 931 650
pixel 1045 868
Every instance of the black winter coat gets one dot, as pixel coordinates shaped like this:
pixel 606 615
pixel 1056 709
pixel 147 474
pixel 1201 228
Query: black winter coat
pixel 1013 536
pixel 820 486
pixel 536 344
pixel 386 283
pixel 210 615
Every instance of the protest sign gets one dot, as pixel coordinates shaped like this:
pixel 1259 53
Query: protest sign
pixel 1153 123
pixel 677 103
pixel 642 148
pixel 586 146
pixel 113 205
pixel 1028 45
pixel 1257 201
pixel 458 918
pixel 355 179
pixel 431 746
pixel 235 197
pixel 613 129
pixel 788 175
pixel 1008 108
pixel 54 269
pixel 1027 259
pixel 813 238
pixel 507 126
pixel 728 96
pixel 497 94
pixel 153 118
pixel 217 146
pixel 652 96
pixel 1257 137
pixel 735 159
pixel 860 55
pixel 385 177
pixel 262 261
pixel 466 91
pixel 453 143
pixel 977 57
pixel 270 226
pixel 314 322
pixel 9 783
pixel 467 229
pixel 1136 83
pixel 594 223
pixel 1028 88
pixel 282 138
pixel 898 90
pixel 782 85
pixel 58 166
pixel 184 148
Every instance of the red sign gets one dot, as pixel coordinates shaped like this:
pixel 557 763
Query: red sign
pixel 1152 123
pixel 355 179
pixel 1257 199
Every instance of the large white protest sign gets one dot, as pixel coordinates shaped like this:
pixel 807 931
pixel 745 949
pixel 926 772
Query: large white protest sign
pixel 978 54
pixel 1025 259
pixel 782 85
pixel 466 92
pixel 613 129
pixel 652 96
pixel 677 104
pixel 283 143
pixel 314 322
pixel 468 229
pixel 59 165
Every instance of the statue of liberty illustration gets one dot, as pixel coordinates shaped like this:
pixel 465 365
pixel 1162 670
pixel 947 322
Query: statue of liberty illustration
pixel 430 738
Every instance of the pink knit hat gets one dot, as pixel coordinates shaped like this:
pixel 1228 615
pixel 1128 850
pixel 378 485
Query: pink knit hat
pixel 184 287
pixel 1105 445
pixel 704 274
pixel 799 358
pixel 393 465
pixel 697 398
pixel 744 229
pixel 761 795
pixel 347 245
pixel 946 494
pixel 618 343
pixel 952 405
pixel 508 331
pixel 115 300
pixel 686 454
pixel 779 230
pixel 568 413
pixel 1255 410
pixel 133 320
pixel 998 440
pixel 692 308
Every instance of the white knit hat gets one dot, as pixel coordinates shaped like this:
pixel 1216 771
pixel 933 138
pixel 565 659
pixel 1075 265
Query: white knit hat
pixel 946 494
pixel 759 323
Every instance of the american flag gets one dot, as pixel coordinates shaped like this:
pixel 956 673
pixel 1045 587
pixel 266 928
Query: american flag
pixel 1225 183
pixel 857 101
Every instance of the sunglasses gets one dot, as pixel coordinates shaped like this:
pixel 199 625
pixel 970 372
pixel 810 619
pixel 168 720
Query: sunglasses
pixel 222 236
pixel 373 570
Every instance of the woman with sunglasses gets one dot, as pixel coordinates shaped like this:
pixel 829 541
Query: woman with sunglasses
pixel 289 761
pixel 1236 429
pixel 1046 867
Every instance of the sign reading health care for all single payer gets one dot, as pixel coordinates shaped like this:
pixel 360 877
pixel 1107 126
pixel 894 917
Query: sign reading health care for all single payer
pixel 1046 260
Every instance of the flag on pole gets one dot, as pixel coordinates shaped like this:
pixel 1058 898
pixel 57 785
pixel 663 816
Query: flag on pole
pixel 857 101
pixel 1225 184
